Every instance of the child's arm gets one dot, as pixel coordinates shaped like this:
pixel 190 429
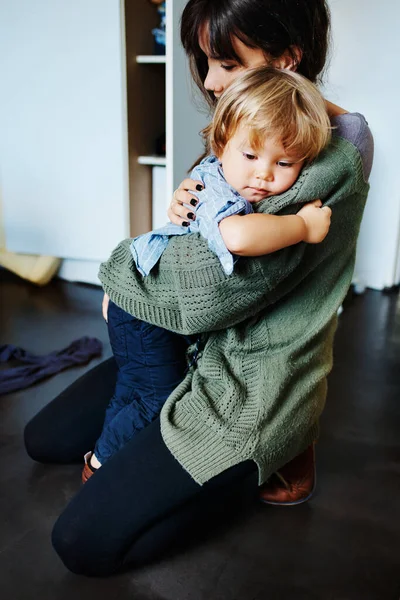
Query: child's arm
pixel 259 234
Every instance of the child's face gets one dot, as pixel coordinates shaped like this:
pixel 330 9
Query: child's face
pixel 258 174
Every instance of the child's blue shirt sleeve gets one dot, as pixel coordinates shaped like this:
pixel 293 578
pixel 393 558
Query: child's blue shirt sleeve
pixel 217 201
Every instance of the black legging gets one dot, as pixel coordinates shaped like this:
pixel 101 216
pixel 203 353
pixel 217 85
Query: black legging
pixel 141 503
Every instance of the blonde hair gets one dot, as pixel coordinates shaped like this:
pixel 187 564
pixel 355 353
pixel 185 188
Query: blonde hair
pixel 273 103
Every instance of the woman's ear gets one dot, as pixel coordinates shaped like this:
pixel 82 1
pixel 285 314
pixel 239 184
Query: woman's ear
pixel 290 59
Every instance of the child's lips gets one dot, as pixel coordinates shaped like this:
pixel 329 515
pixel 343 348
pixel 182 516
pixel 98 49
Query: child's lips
pixel 258 190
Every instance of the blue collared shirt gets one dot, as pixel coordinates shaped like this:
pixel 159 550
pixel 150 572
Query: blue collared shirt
pixel 217 201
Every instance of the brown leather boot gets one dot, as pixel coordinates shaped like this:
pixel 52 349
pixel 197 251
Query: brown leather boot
pixel 294 483
pixel 88 470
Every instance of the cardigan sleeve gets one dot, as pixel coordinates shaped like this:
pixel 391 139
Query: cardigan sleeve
pixel 189 293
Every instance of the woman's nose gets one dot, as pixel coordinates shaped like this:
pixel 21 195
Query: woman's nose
pixel 212 84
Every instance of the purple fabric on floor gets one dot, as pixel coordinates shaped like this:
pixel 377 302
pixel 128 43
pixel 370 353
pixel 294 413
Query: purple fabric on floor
pixel 36 368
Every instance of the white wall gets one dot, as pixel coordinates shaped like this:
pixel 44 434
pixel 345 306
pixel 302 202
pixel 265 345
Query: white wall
pixel 63 124
pixel 364 77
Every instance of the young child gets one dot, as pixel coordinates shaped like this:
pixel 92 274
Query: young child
pixel 266 127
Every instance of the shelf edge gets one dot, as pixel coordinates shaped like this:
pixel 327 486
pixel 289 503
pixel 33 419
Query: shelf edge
pixel 151 59
pixel 154 161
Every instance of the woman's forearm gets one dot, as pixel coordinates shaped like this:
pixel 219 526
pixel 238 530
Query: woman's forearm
pixel 189 292
pixel 259 234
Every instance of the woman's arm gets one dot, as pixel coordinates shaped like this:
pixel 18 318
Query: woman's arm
pixel 188 291
pixel 259 234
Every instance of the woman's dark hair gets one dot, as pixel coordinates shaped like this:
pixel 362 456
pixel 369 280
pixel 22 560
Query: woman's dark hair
pixel 274 26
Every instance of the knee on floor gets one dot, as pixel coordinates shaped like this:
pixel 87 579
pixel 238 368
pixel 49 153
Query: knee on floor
pixel 35 443
pixel 78 552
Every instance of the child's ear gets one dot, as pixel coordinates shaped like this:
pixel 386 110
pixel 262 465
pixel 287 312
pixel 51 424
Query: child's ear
pixel 290 59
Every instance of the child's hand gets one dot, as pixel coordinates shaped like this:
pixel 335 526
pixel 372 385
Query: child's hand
pixel 317 219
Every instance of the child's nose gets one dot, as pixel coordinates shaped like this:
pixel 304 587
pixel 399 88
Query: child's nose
pixel 266 174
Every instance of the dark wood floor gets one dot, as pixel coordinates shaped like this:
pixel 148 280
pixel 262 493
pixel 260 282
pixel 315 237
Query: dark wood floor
pixel 343 545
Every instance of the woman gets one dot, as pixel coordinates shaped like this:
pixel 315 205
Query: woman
pixel 251 402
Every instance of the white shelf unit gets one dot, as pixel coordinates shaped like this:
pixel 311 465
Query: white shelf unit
pixel 160 99
pixel 146 102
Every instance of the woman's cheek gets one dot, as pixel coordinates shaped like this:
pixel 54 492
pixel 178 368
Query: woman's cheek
pixel 234 75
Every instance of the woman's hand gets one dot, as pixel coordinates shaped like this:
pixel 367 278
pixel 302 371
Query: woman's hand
pixel 317 219
pixel 104 307
pixel 177 212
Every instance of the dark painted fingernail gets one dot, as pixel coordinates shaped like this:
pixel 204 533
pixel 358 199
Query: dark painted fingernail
pixel 185 224
pixel 193 202
pixel 199 187
pixel 190 216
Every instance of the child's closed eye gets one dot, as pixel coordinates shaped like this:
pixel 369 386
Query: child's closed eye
pixel 248 156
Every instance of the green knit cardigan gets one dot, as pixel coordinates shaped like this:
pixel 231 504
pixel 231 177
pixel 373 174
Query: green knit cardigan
pixel 259 385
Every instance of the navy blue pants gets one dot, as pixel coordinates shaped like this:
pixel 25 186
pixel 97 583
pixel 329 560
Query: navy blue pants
pixel 151 363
